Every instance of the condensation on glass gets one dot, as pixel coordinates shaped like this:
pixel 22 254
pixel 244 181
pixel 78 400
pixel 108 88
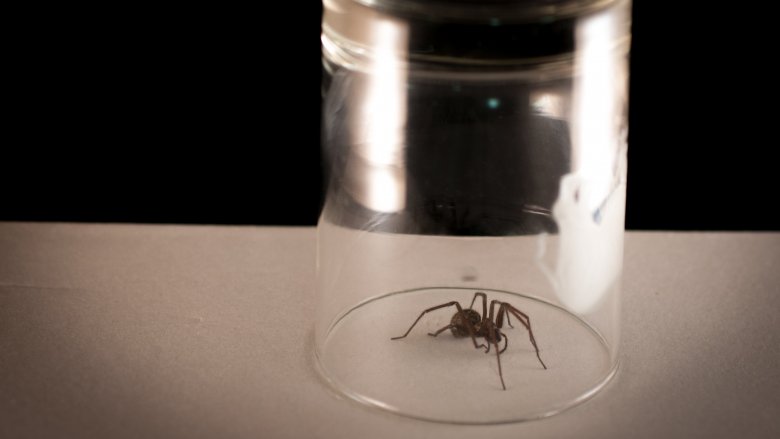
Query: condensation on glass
pixel 472 146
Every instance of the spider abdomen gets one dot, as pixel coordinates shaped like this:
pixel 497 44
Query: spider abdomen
pixel 459 326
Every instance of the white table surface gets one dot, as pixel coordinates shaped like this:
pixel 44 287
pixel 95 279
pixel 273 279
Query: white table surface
pixel 144 331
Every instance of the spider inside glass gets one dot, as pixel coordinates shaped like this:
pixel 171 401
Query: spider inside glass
pixel 469 323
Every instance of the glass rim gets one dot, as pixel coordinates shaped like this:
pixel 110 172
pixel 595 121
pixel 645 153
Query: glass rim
pixel 490 10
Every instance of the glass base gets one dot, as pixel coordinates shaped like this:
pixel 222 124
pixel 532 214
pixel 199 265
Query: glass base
pixel 444 378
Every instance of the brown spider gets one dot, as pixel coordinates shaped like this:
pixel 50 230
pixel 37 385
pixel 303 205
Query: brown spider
pixel 468 323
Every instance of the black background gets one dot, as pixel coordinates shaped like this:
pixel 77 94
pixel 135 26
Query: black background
pixel 212 116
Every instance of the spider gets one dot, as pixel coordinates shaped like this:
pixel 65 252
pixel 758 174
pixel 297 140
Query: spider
pixel 468 323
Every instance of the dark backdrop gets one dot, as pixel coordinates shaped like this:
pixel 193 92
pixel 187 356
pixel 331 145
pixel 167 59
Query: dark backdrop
pixel 212 116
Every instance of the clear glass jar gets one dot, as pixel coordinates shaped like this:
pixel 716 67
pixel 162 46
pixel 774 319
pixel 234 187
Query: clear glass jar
pixel 472 146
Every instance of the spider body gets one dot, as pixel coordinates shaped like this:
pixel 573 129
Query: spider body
pixel 488 325
pixel 461 321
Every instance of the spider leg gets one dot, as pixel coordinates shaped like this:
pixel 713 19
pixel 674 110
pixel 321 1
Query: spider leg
pixel 484 302
pixel 434 334
pixel 526 321
pixel 499 321
pixel 433 308
pixel 501 314
pixel 493 304
pixel 493 339
pixel 444 305
pixel 506 340
pixel 500 373
pixel 496 324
